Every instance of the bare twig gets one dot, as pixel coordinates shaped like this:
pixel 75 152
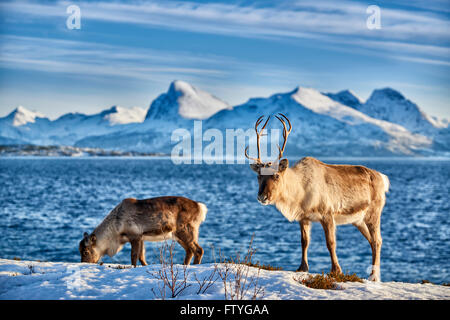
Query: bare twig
pixel 169 274
pixel 236 277
pixel 208 281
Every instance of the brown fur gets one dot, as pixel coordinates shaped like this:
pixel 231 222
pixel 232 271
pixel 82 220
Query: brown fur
pixel 313 191
pixel 154 219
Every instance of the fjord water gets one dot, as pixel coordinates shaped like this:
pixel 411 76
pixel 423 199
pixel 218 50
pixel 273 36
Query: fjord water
pixel 47 204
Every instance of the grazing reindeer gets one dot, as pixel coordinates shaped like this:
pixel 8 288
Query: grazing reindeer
pixel 136 221
pixel 313 191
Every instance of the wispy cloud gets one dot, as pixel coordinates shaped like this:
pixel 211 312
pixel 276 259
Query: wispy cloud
pixel 84 58
pixel 90 59
pixel 412 32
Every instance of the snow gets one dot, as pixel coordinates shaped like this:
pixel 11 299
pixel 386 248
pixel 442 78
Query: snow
pixel 58 280
pixel 120 115
pixel 322 126
pixel 346 97
pixel 186 101
pixel 322 104
pixel 195 103
pixel 21 116
pixel 319 103
pixel 71 127
pixel 390 105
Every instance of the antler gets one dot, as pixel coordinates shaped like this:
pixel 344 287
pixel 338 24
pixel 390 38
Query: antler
pixel 285 133
pixel 258 135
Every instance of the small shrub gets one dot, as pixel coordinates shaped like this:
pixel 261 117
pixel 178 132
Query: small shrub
pixel 319 281
pixel 340 277
pixel 208 281
pixel 236 278
pixel 169 276
pixel 328 281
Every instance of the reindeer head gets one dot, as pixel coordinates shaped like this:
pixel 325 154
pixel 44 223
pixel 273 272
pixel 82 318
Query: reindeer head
pixel 87 249
pixel 270 174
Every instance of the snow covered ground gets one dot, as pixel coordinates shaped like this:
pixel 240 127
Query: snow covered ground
pixel 57 280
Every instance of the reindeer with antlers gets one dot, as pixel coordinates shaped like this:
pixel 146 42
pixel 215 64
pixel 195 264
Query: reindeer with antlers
pixel 313 191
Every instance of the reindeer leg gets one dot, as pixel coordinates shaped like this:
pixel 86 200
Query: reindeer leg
pixel 195 247
pixel 184 240
pixel 375 244
pixel 142 254
pixel 330 235
pixel 187 237
pixel 135 250
pixel 362 227
pixel 198 253
pixel 305 227
pixel 189 252
pixel 372 225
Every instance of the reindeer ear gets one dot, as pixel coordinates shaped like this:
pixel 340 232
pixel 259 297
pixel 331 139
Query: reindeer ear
pixel 92 238
pixel 283 165
pixel 255 167
pixel 85 235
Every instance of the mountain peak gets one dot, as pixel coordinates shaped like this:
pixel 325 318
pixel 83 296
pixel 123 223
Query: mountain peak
pixel 321 103
pixel 181 87
pixel 346 97
pixel 305 94
pixel 390 105
pixel 21 116
pixel 185 100
pixel 388 93
pixel 120 115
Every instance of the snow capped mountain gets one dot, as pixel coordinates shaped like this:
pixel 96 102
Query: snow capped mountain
pixel 346 97
pixel 21 116
pixel 72 127
pixel 324 124
pixel 19 125
pixel 119 115
pixel 390 105
pixel 30 127
pixel 187 101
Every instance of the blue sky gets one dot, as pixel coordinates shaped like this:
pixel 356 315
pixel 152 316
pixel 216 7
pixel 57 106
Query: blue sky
pixel 127 53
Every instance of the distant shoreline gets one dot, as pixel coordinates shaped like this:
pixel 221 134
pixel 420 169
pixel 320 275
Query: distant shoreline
pixel 66 152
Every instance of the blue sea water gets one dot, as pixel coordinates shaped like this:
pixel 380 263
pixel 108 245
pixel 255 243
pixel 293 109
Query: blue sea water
pixel 47 204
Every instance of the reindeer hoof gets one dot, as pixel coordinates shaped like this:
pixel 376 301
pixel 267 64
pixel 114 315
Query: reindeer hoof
pixel 336 270
pixel 303 268
pixel 374 278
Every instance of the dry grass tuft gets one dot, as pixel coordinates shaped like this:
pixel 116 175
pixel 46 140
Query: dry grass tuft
pixel 445 284
pixel 264 266
pixel 328 281
pixel 320 281
pixel 340 277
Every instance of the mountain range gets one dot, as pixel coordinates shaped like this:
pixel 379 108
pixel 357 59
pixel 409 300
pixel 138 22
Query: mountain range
pixel 324 124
